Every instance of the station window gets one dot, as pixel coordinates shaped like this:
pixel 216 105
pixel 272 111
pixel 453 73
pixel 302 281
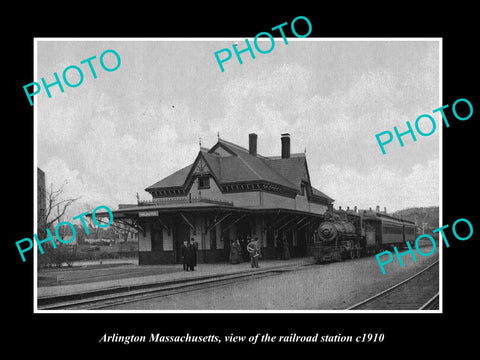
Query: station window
pixel 204 182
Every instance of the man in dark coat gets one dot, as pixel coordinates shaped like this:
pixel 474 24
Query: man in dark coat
pixel 232 254
pixel 194 248
pixel 186 255
pixel 286 251
pixel 243 245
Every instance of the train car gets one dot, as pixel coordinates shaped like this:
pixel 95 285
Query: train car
pixel 410 232
pixel 388 230
pixel 347 235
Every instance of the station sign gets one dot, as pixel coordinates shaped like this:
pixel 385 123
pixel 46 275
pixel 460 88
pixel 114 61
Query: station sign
pixel 148 213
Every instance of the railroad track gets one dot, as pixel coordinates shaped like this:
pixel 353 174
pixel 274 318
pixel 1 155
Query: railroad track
pixel 128 296
pixel 418 292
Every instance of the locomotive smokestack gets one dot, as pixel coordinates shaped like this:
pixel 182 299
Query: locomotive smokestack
pixel 285 146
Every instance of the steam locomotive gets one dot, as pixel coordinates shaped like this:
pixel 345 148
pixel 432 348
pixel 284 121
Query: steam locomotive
pixel 351 234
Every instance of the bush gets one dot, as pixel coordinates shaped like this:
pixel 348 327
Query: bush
pixel 56 257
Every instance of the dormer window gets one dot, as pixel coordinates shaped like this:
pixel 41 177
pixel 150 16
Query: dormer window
pixel 204 182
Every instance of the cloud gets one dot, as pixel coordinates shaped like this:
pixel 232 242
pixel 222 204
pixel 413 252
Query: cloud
pixel 383 186
pixel 338 125
pixel 113 143
pixel 58 174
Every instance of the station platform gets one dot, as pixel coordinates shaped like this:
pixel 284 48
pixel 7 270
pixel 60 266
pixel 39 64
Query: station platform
pixel 89 279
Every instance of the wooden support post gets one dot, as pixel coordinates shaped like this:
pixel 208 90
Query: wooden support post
pixel 164 226
pixel 215 222
pixel 306 224
pixel 189 223
pixel 297 223
pixel 277 222
pixel 233 223
pixel 289 222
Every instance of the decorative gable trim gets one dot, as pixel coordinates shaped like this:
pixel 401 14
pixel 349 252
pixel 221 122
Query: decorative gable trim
pixel 249 186
pixel 224 147
pixel 199 168
pixel 168 192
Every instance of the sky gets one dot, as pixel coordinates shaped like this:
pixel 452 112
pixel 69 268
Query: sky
pixel 111 137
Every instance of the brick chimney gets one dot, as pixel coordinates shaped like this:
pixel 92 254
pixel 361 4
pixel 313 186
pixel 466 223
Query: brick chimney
pixel 285 146
pixel 252 144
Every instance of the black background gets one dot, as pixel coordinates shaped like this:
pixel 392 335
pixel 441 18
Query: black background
pixel 78 334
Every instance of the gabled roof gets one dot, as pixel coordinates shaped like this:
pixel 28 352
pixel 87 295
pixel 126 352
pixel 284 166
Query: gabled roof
pixel 242 166
pixel 174 180
pixel 320 194
pixel 236 164
pixel 294 169
pixel 259 170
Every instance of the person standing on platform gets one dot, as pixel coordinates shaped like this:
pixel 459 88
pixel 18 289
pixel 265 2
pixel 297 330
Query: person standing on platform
pixel 235 252
pixel 231 256
pixel 185 255
pixel 243 248
pixel 194 245
pixel 254 252
pixel 238 252
pixel 286 251
pixel 278 247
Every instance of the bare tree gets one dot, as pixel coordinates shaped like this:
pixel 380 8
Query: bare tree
pixel 94 230
pixel 123 229
pixel 56 208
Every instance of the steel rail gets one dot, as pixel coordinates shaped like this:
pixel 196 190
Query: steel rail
pixel 430 302
pixel 103 301
pixel 390 289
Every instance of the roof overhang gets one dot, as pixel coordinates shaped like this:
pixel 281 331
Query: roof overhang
pixel 156 210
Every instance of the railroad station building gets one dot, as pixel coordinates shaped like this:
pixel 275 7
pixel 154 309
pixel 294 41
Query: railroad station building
pixel 229 192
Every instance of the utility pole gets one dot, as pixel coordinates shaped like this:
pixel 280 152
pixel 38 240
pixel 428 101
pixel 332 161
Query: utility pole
pixel 423 227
